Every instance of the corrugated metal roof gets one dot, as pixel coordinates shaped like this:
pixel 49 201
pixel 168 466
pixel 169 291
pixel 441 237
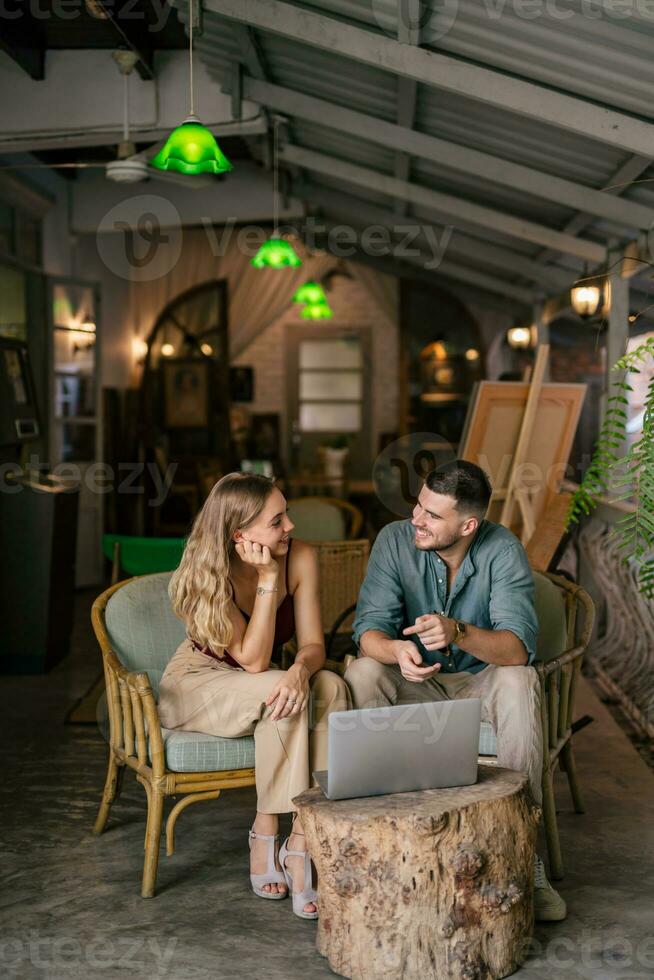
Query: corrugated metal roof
pixel 604 60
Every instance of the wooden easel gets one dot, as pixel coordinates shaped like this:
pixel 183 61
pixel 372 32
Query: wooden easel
pixel 513 495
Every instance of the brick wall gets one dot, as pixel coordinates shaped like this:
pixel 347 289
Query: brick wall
pixel 355 309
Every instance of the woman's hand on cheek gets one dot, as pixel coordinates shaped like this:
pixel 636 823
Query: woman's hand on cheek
pixel 257 555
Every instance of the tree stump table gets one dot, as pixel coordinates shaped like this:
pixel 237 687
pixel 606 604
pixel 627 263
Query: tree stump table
pixel 433 884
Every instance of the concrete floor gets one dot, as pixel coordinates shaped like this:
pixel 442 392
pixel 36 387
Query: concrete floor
pixel 70 905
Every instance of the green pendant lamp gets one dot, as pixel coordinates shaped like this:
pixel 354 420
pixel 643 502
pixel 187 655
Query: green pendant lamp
pixel 276 253
pixel 311 293
pixel 191 148
pixel 317 311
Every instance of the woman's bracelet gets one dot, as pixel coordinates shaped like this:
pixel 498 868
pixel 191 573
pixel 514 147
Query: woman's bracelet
pixel 262 591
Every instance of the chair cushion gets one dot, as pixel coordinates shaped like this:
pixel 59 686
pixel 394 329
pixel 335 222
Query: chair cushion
pixel 195 752
pixel 142 626
pixel 487 739
pixel 317 520
pixel 550 609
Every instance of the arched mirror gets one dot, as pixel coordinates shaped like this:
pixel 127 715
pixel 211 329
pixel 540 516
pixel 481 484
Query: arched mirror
pixel 184 404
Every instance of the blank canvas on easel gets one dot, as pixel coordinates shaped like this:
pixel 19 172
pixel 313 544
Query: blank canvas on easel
pixel 493 427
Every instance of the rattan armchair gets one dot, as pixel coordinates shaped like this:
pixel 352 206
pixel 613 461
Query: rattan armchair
pixel 558 682
pixel 342 571
pixel 136 740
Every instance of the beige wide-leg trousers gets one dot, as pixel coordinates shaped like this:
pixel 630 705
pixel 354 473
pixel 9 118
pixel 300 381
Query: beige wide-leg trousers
pixel 510 701
pixel 198 694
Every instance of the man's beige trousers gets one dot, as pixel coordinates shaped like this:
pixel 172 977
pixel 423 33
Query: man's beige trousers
pixel 510 701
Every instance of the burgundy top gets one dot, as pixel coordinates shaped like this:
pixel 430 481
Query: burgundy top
pixel 284 625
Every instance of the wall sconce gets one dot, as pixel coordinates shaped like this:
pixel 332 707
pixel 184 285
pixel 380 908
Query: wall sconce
pixel 590 296
pixel 167 350
pixel 520 338
pixel 139 349
pixel 85 345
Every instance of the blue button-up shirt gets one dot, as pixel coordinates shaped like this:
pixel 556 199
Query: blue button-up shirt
pixel 493 589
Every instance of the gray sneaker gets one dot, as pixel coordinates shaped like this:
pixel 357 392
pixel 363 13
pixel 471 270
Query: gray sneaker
pixel 548 904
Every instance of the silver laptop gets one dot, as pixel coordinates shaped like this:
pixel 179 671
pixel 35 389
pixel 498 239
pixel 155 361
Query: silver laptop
pixel 401 748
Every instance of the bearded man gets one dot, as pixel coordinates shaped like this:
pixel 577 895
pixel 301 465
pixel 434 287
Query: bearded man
pixel 447 611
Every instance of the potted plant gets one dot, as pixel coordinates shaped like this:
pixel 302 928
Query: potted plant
pixel 333 453
pixel 625 475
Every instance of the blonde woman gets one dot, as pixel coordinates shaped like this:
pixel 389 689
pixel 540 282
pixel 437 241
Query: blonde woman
pixel 242 592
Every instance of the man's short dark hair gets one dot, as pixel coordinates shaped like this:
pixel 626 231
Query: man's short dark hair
pixel 464 481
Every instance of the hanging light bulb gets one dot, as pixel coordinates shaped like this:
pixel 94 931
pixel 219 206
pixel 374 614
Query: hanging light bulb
pixel 167 350
pixel 276 253
pixel 317 311
pixel 191 148
pixel 519 337
pixel 311 292
pixel 586 300
pixel 206 349
pixel 590 296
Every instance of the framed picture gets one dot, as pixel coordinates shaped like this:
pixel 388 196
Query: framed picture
pixel 265 437
pixel 241 384
pixel 186 394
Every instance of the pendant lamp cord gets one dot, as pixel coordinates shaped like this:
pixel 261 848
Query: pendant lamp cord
pixel 190 53
pixel 276 176
pixel 125 107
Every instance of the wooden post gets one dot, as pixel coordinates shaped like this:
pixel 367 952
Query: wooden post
pixel 617 336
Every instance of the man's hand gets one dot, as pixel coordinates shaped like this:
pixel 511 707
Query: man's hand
pixel 409 659
pixel 435 632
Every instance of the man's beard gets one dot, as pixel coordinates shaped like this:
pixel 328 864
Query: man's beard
pixel 431 544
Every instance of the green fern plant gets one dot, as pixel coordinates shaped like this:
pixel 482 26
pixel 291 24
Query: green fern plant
pixel 624 476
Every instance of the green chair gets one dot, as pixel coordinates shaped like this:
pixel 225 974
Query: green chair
pixel 138 633
pixel 141 556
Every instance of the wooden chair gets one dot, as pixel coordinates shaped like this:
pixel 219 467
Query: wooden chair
pixel 566 614
pixel 138 633
pixel 325 519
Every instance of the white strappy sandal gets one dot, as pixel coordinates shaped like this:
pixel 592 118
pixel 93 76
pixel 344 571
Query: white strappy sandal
pixel 308 893
pixel 272 876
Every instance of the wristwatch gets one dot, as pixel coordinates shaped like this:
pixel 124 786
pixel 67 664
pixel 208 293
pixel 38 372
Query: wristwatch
pixel 459 631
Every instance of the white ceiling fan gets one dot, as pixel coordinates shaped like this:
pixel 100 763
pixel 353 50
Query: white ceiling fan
pixel 129 167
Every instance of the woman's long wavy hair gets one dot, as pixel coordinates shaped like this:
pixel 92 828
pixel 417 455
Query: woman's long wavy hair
pixel 200 590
